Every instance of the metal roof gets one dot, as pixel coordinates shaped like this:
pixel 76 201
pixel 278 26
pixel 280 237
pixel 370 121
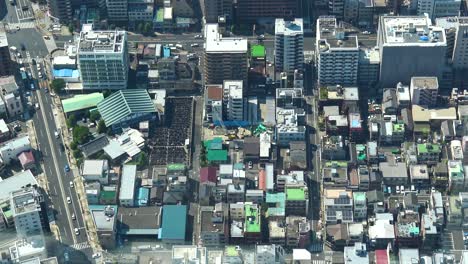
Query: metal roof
pixel 124 103
pixel 174 221
pixel 80 102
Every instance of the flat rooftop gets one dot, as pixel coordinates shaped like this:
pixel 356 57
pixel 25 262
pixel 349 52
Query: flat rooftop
pixel 3 39
pixel 332 36
pixel 218 44
pixel 410 30
pixel 252 219
pixel 104 217
pixel 102 41
pixel 289 28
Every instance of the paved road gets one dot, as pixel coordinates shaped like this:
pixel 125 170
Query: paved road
pixel 58 180
pixel 32 40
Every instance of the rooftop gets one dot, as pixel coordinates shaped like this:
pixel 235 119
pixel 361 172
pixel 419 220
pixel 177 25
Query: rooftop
pixel 80 102
pixel 127 185
pixel 3 39
pixel 411 30
pixel 16 182
pixel 252 218
pixel 257 51
pixel 331 36
pixel 295 193
pixel 424 83
pixel 215 43
pixel 289 28
pixel 428 148
pixel 104 216
pixel 145 220
pixel 123 103
pixel 94 167
pixel 102 41
pixel 174 222
pixel 424 115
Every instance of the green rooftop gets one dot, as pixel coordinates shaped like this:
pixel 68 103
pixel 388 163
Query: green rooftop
pixel 160 15
pixel 108 195
pixel 257 51
pixel 359 196
pixel 81 102
pixel 8 213
pixel 295 194
pixel 336 164
pixel 398 128
pixel 176 166
pixel 125 103
pixel 231 251
pixel 217 155
pixel 252 219
pixel 428 148
pixel 215 143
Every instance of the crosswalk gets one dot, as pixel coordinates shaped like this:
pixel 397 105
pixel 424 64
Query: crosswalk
pixel 29 24
pixel 447 241
pixel 316 247
pixel 318 261
pixel 82 245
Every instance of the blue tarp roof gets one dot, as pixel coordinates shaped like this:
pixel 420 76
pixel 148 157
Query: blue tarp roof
pixel 166 52
pixel 143 194
pixel 66 73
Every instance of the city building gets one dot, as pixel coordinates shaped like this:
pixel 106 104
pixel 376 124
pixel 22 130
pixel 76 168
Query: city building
pixel 459 57
pixel 360 205
pixel 258 11
pixel 337 54
pixel 356 254
pixel 289 126
pixel 338 205
pixel 289 45
pixel 6 64
pixel 60 10
pixel 269 254
pixel 189 254
pixel 289 98
pixel 381 231
pixel 413 43
pixel 26 251
pixel 393 172
pixel 213 10
pixel 225 58
pixel 16 182
pixel 297 199
pixel 103 59
pixel 127 186
pixel 95 170
pixel 438 8
pixel 140 10
pixel 80 104
pixel 233 100
pixel 407 230
pixel 368 67
pixel 9 150
pixel 298 230
pixel 117 10
pixel 29 212
pixel 214 222
pixel 105 220
pixel 424 91
pixel 11 97
pixel 428 153
pixel 456 175
pixel 214 103
pixel 125 108
pixel 174 223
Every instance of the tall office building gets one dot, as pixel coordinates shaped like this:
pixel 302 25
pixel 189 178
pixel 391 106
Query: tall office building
pixel 117 10
pixel 213 9
pixel 409 46
pixel 337 54
pixel 28 212
pixel 6 65
pixel 460 48
pixel 336 8
pixel 61 10
pixel 225 57
pixel 103 59
pixel 438 8
pixel 249 11
pixel 289 45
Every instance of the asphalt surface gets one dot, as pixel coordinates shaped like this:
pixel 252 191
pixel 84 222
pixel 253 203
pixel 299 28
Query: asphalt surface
pixel 31 39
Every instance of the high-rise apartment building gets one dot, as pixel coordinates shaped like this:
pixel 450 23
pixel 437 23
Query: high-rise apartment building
pixel 409 46
pixel 251 11
pixel 6 65
pixel 225 57
pixel 61 10
pixel 27 212
pixel 103 59
pixel 117 10
pixel 289 45
pixel 337 54
pixel 213 9
pixel 233 100
pixel 336 8
pixel 460 48
pixel 424 91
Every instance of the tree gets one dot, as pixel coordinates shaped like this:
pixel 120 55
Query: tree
pixel 142 159
pixel 57 85
pixel 101 127
pixel 148 28
pixel 140 27
pixel 71 121
pixel 81 134
pixel 73 145
pixel 106 93
pixel 94 115
pixel 71 28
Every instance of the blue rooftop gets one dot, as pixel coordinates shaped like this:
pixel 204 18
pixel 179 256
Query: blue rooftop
pixel 166 52
pixel 143 194
pixel 70 73
pixel 174 221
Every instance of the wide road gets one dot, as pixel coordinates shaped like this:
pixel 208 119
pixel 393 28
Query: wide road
pixel 55 160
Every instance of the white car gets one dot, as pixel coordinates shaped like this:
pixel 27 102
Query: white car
pixel 68 200
pixel 73 217
pixel 96 255
pixel 77 231
pixel 72 184
pixel 37 106
pixel 194 45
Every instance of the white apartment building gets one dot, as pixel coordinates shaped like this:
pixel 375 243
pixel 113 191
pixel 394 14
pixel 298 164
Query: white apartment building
pixel 337 54
pixel 287 126
pixel 103 59
pixel 289 45
pixel 26 212
pixel 438 8
pixel 117 10
pixel 225 58
pixel 10 150
pixel 424 91
pixel 409 46
pixel 233 100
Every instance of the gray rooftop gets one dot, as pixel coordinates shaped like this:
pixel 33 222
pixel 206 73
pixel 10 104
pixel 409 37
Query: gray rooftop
pixel 127 185
pixel 16 182
pixel 102 41
pixel 332 36
pixel 104 217
pixel 145 220
pixel 410 30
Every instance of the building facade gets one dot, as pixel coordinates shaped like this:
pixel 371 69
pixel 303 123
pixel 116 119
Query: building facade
pixel 289 45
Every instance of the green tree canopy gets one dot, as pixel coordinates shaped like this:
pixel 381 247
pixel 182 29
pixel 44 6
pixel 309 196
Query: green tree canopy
pixel 94 115
pixel 57 85
pixel 81 134
pixel 101 127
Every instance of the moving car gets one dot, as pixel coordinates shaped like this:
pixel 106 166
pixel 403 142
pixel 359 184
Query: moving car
pixel 73 217
pixel 57 135
pixel 72 184
pixel 37 106
pixel 77 231
pixel 67 168
pixel 193 45
pixel 68 200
